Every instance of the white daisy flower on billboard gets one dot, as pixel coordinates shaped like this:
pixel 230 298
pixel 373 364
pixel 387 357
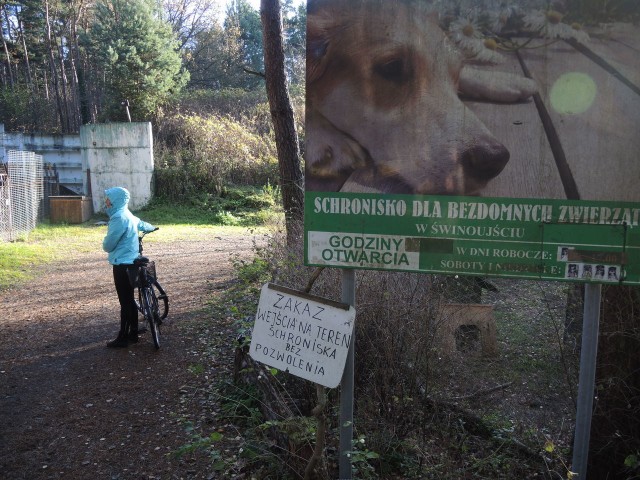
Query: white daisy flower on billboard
pixel 498 18
pixel 465 29
pixel 549 25
pixel 467 35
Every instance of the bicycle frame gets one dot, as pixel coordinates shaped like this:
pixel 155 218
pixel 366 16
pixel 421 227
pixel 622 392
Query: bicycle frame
pixel 148 300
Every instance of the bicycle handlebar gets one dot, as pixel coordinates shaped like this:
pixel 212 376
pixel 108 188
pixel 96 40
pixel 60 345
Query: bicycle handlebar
pixel 144 233
pixel 140 237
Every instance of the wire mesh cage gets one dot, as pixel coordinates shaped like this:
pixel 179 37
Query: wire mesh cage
pixel 21 194
pixel 5 204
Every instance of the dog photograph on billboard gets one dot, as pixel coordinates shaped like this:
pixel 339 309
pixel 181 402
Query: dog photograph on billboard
pixel 471 137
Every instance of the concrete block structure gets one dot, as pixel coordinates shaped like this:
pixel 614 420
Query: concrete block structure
pixel 119 155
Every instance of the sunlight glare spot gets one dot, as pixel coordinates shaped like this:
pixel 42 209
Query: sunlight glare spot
pixel 573 93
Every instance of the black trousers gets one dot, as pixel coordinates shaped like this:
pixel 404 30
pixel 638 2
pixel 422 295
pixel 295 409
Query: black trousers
pixel 128 308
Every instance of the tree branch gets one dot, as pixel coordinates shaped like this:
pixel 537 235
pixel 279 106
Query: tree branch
pixel 318 451
pixel 481 393
pixel 253 72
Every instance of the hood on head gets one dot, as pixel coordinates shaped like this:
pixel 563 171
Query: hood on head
pixel 119 197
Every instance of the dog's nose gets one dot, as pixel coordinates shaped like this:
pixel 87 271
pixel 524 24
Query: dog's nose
pixel 485 158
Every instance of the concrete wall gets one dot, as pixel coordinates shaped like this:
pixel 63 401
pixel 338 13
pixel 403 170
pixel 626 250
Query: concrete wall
pixel 61 150
pixel 119 155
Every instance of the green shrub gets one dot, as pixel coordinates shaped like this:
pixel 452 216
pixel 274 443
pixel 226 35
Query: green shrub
pixel 22 110
pixel 235 206
pixel 235 102
pixel 206 154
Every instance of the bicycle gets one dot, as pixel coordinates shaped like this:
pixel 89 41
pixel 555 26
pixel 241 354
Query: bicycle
pixel 152 302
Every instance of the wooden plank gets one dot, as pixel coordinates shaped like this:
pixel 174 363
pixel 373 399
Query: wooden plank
pixel 622 58
pixel 531 171
pixel 619 45
pixel 601 143
pixel 623 33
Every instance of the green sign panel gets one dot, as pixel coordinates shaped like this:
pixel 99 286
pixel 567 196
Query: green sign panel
pixel 583 241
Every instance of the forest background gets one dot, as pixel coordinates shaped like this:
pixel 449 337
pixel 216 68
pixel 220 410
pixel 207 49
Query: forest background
pixel 194 68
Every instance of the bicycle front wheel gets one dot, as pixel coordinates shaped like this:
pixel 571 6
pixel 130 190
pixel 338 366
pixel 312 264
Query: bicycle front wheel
pixel 151 315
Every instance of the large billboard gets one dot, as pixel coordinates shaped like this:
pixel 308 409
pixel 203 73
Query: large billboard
pixel 490 140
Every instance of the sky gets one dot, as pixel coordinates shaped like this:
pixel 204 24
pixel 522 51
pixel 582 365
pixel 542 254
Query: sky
pixel 256 3
pixel 221 5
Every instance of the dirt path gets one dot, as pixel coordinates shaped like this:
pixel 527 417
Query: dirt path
pixel 72 409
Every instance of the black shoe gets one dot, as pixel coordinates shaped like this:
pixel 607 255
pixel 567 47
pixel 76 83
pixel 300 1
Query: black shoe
pixel 133 338
pixel 119 342
pixel 142 330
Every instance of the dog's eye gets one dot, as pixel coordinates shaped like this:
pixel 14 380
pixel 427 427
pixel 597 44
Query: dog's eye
pixel 396 71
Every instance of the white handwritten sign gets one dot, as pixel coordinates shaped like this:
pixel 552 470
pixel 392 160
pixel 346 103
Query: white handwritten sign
pixel 307 336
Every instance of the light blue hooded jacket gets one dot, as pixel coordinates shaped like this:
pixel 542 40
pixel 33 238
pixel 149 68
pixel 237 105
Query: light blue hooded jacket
pixel 121 241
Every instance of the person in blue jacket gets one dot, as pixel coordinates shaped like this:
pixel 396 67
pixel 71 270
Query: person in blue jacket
pixel 121 242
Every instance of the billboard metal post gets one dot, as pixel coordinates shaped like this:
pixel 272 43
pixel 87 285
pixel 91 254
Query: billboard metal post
pixel 586 386
pixel 346 386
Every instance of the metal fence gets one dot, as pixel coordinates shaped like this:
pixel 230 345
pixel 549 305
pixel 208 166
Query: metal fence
pixel 50 188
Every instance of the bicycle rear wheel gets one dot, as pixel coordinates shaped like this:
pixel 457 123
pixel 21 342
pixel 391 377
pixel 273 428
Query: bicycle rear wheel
pixel 163 300
pixel 151 314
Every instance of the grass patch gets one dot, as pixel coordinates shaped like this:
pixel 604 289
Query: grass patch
pixel 17 260
pixel 66 239
pixel 46 243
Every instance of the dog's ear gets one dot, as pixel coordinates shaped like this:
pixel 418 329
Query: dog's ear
pixel 316 50
pixel 320 24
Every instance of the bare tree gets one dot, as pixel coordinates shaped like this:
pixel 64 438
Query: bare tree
pixel 188 18
pixel 291 178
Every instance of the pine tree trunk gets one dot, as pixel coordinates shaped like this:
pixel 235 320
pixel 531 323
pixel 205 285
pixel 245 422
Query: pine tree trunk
pixel 66 93
pixel 80 110
pixel 26 54
pixel 52 67
pixel 30 80
pixel 9 76
pixel 291 179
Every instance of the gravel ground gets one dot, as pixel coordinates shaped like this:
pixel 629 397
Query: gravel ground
pixel 70 408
